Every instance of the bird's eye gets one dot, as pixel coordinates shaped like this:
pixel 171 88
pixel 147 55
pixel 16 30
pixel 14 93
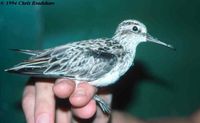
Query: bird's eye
pixel 135 28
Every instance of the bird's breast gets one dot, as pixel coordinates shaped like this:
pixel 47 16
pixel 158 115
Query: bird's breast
pixel 124 63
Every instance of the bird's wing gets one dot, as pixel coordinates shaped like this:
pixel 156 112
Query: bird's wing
pixel 66 61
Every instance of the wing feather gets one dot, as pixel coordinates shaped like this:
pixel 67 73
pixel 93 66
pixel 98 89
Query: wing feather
pixel 67 61
pixel 29 52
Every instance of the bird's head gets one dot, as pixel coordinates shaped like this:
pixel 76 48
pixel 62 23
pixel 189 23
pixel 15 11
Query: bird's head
pixel 135 32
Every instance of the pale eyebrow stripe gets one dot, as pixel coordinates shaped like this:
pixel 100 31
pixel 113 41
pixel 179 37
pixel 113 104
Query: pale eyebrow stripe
pixel 129 23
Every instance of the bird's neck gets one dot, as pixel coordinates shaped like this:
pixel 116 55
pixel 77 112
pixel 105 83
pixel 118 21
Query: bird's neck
pixel 129 52
pixel 128 43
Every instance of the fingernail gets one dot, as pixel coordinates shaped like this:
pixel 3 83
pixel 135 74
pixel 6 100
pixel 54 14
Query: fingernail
pixel 43 118
pixel 80 92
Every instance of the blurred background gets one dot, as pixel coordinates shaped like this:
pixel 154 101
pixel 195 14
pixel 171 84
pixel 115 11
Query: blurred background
pixel 163 83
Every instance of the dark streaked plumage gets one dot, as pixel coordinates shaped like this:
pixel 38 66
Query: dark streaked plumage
pixel 76 60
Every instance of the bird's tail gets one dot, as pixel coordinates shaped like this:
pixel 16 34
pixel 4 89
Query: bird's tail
pixel 29 66
pixel 29 52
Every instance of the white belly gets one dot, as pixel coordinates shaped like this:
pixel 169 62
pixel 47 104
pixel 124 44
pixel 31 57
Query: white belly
pixel 107 79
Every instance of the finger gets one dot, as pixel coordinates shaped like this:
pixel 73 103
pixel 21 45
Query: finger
pixel 86 111
pixel 63 115
pixel 63 88
pixel 28 103
pixel 82 94
pixel 63 111
pixel 44 103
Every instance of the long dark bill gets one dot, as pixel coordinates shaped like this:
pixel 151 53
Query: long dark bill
pixel 154 40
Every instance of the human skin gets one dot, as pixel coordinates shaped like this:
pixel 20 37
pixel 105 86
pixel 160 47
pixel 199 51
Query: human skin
pixel 39 102
pixel 39 105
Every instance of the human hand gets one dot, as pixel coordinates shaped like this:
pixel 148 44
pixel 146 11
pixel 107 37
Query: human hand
pixel 39 103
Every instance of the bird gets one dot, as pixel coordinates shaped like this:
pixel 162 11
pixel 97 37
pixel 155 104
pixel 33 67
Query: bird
pixel 100 62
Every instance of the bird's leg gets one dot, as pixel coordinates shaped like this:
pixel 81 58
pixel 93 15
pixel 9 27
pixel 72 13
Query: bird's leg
pixel 103 105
